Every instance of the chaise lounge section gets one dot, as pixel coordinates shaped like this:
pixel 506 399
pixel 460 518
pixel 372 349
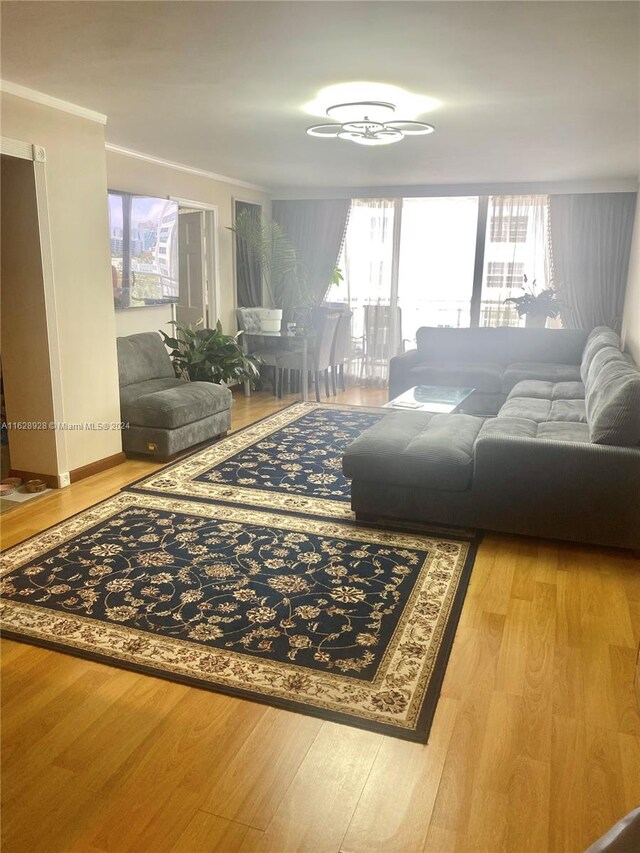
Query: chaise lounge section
pixel 561 458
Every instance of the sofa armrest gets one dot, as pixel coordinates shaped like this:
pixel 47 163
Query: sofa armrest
pixel 399 367
pixel 579 486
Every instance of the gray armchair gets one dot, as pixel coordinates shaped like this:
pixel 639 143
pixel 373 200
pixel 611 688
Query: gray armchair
pixel 165 414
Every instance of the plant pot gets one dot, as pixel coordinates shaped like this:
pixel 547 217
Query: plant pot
pixel 535 321
pixel 270 319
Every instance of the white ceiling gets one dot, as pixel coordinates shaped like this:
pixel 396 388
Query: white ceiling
pixel 530 91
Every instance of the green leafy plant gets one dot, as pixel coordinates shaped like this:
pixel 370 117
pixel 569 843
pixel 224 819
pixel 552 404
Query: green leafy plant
pixel 208 355
pixel 542 304
pixel 284 276
pixel 336 277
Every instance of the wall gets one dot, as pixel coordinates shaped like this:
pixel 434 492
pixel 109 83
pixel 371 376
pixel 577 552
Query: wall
pixel 141 176
pixel 25 346
pixel 133 320
pixel 76 188
pixel 631 315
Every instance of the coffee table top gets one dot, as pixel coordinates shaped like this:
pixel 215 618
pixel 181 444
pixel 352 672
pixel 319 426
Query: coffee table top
pixel 430 398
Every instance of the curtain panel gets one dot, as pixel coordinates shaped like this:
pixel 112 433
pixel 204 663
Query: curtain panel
pixel 591 244
pixel 367 263
pixel 316 227
pixel 248 270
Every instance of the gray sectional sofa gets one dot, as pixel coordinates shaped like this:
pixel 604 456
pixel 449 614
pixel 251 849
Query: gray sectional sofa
pixel 560 457
pixel 165 414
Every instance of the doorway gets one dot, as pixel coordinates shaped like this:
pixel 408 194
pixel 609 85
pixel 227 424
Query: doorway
pixel 199 292
pixel 32 447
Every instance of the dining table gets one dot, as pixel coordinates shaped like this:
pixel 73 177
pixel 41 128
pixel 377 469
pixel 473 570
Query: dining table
pixel 302 337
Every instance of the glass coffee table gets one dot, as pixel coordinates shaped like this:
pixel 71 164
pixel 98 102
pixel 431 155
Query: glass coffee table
pixel 431 398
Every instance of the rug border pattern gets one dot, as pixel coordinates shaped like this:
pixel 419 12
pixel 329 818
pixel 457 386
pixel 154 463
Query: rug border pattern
pixel 327 695
pixel 185 470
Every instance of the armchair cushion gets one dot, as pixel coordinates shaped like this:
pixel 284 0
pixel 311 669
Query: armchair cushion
pixel 141 357
pixel 177 405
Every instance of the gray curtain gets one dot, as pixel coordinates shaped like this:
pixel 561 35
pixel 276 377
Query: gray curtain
pixel 316 228
pixel 591 243
pixel 248 271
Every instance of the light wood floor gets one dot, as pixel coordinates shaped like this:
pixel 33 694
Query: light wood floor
pixel 535 744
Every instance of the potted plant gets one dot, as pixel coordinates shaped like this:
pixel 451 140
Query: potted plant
pixel 208 355
pixel 284 277
pixel 536 307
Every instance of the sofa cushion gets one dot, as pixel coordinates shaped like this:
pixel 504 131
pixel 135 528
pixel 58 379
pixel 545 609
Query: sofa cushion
pixel 602 357
pixel 563 431
pixel 502 345
pixel 549 371
pixel 483 376
pixel 601 336
pixel 573 411
pixel 416 449
pixel 529 408
pixel 176 406
pixel 545 390
pixel 613 401
pixel 141 357
pixel 509 426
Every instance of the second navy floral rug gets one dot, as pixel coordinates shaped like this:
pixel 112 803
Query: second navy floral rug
pixel 348 623
pixel 289 462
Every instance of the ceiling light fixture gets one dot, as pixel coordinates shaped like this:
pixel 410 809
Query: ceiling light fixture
pixel 367 123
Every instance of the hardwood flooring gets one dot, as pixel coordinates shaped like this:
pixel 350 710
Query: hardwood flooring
pixel 535 745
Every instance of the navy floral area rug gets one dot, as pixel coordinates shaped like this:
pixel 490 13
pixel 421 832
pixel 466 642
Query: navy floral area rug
pixel 346 622
pixel 289 462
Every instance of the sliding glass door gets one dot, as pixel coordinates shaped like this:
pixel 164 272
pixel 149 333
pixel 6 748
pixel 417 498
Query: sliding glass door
pixel 443 261
pixel 437 256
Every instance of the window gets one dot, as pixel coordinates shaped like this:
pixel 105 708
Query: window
pixel 427 262
pixel 509 228
pixel 496 313
pixel 501 274
pixel 437 256
pixel 144 249
pixel 507 261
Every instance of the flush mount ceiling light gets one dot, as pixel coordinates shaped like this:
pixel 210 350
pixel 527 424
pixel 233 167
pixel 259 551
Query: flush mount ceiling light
pixel 368 123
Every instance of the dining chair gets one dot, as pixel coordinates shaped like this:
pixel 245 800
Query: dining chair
pixel 341 347
pixel 268 352
pixel 320 352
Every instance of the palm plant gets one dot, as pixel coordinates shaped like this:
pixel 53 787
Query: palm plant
pixel 208 355
pixel 284 276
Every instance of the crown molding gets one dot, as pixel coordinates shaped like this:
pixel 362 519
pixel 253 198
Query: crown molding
pixel 49 101
pixel 181 167
pixel 594 185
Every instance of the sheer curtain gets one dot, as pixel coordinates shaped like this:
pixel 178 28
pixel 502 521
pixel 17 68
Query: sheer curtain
pixel 366 264
pixel 591 239
pixel 516 244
